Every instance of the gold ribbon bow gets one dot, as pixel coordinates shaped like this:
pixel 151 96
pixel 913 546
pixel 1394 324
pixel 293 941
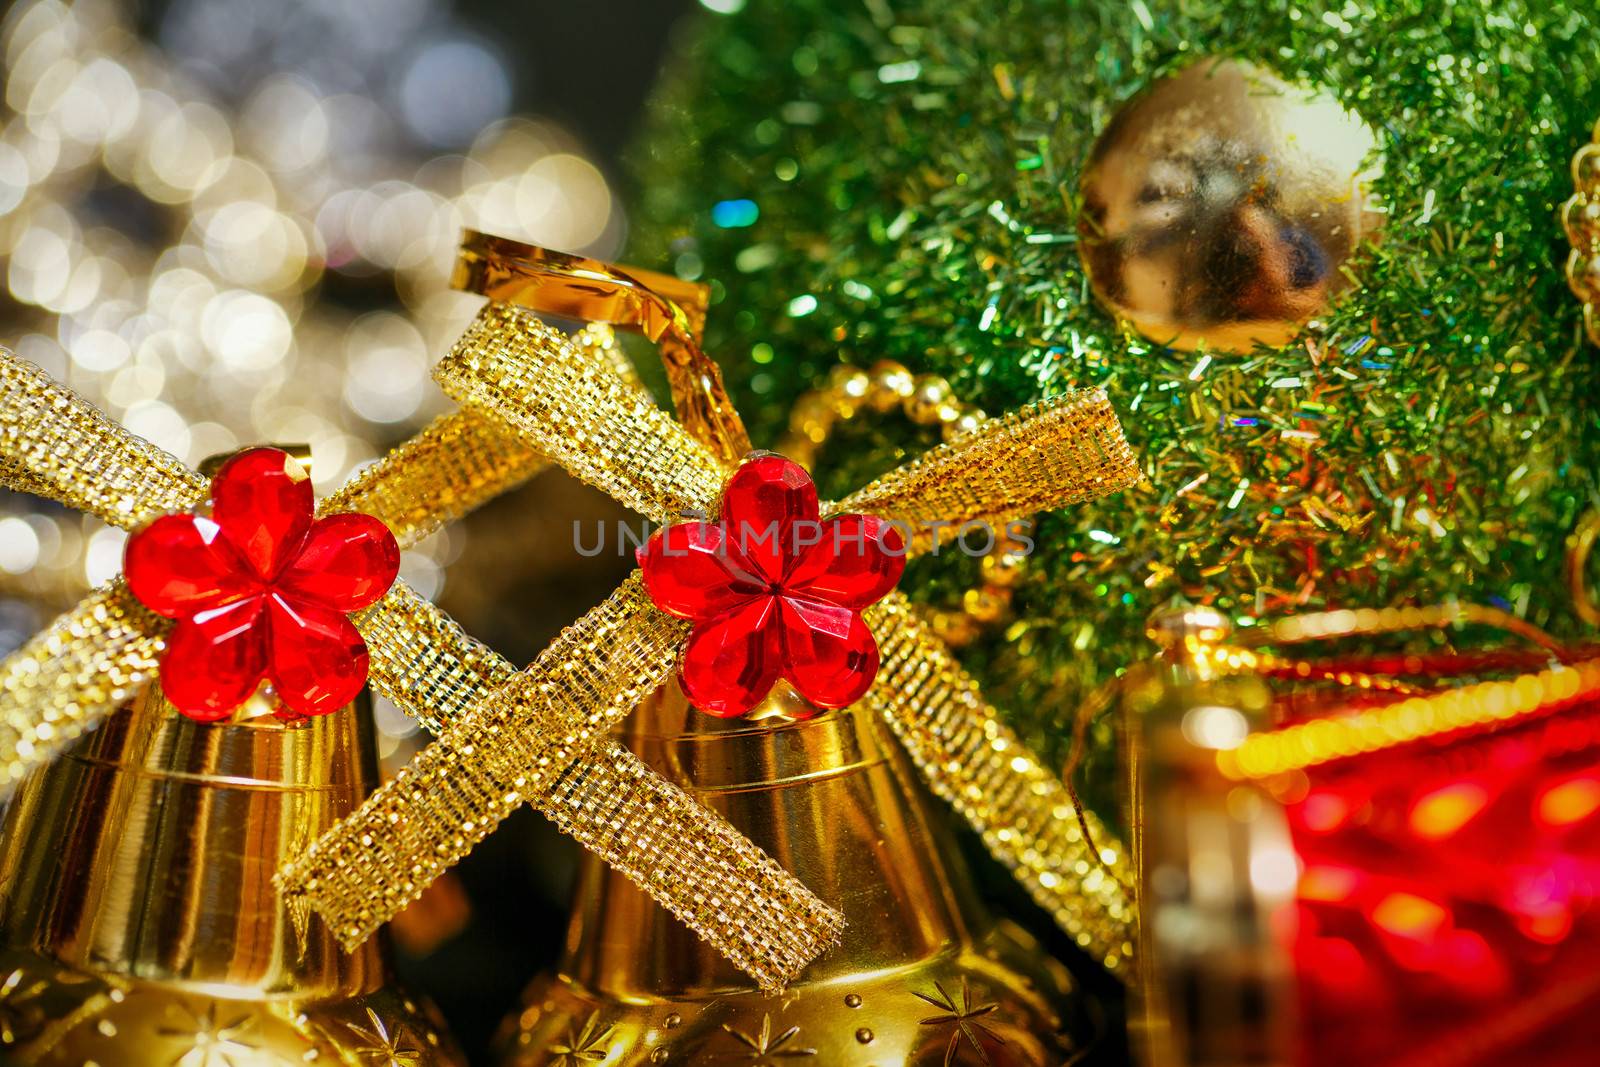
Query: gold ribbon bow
pixel 527 744
pixel 73 674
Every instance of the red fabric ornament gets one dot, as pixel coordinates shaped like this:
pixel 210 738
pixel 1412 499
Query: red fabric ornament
pixel 260 590
pixel 774 592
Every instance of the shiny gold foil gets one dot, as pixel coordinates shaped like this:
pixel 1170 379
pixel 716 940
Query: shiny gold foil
pixel 665 309
pixel 1224 207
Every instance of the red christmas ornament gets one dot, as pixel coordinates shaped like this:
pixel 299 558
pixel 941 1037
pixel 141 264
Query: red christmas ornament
pixel 260 590
pixel 1449 900
pixel 774 592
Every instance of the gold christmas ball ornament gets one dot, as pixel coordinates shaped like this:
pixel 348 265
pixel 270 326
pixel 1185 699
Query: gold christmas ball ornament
pixel 1222 207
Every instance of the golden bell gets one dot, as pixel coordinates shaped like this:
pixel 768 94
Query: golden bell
pixel 925 974
pixel 1222 207
pixel 139 923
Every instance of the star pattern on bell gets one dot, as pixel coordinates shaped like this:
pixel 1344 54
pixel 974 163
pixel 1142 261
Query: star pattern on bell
pixel 262 590
pixel 774 591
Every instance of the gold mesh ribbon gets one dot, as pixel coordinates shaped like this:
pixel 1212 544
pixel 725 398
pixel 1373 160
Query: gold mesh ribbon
pixel 491 757
pixel 57 445
pixel 1048 455
pixel 581 413
pixel 71 675
pixel 518 747
pixel 971 759
pixel 468 459
pixel 68 677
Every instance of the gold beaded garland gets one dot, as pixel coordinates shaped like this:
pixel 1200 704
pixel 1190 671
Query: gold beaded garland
pixel 1581 218
pixel 927 400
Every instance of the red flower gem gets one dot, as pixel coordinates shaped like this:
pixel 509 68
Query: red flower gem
pixel 774 592
pixel 260 590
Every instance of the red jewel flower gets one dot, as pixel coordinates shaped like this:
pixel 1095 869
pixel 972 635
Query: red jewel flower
pixel 774 592
pixel 261 591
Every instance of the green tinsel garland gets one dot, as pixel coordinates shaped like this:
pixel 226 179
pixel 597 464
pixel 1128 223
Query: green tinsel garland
pixel 868 180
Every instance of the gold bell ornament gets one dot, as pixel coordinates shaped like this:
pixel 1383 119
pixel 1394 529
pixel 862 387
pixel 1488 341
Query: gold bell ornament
pixel 926 973
pixel 825 877
pixel 139 923
pixel 141 919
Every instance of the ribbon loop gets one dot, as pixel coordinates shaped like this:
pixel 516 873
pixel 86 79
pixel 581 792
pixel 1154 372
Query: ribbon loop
pixel 581 413
pixel 59 446
pixel 455 464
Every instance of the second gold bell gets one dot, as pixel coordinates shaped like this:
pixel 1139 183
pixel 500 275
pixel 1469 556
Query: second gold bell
pixel 927 975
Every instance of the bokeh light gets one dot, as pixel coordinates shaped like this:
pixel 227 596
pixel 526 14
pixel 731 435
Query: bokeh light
pixel 245 235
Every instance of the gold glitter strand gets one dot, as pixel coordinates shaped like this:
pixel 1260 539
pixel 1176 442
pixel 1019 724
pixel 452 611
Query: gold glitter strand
pixel 1045 456
pixel 1233 659
pixel 1484 704
pixel 71 675
pixel 1581 218
pixel 58 445
pixel 581 413
pixel 975 762
pixel 452 466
